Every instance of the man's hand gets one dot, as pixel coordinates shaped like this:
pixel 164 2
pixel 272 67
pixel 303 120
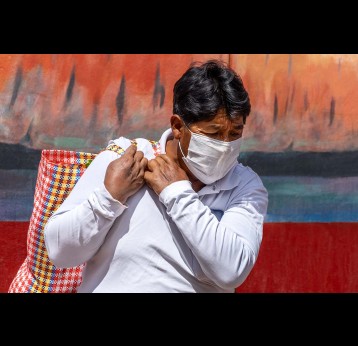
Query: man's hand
pixel 162 171
pixel 125 175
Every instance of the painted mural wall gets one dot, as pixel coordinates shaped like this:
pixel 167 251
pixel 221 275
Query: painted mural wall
pixel 303 102
pixel 301 136
pixel 81 101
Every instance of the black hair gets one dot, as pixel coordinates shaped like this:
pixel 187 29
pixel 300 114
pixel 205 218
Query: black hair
pixel 206 88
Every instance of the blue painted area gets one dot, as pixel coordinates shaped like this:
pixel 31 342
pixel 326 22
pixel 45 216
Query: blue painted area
pixel 17 188
pixel 291 199
pixel 312 199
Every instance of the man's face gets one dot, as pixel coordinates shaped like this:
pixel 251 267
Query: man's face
pixel 220 128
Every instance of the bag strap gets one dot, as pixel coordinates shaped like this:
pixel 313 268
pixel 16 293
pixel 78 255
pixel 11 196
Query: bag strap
pixel 119 150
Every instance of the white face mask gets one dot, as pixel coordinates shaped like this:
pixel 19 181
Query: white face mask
pixel 210 159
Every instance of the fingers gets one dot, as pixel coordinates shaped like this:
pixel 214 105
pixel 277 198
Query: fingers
pixel 148 177
pixel 139 171
pixel 138 155
pixel 164 158
pixel 132 161
pixel 159 161
pixel 125 175
pixel 152 164
pixel 139 166
pixel 130 151
pixel 139 161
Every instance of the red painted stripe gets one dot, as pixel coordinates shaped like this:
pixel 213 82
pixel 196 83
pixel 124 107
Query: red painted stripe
pixel 294 257
pixel 306 257
pixel 12 250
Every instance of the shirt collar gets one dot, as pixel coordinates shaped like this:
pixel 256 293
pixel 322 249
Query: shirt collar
pixel 228 182
pixel 163 140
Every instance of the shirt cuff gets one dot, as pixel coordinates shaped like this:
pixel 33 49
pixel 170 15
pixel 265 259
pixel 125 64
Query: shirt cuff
pixel 109 206
pixel 173 190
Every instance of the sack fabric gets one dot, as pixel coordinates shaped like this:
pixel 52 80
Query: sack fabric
pixel 58 172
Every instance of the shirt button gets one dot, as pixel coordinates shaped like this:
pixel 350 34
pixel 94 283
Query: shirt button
pixel 214 188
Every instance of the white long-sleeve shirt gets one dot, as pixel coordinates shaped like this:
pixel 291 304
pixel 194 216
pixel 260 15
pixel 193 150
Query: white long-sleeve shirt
pixel 181 241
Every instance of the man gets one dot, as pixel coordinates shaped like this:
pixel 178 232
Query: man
pixel 187 220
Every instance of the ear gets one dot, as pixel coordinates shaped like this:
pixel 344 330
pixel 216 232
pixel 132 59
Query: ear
pixel 177 126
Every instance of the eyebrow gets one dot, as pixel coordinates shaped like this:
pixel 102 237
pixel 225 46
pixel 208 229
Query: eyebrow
pixel 218 127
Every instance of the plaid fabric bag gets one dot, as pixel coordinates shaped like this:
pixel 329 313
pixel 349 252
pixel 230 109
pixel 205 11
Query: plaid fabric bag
pixel 58 172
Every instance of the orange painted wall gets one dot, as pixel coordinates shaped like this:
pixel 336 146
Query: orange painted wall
pixel 300 101
pixel 316 101
pixel 70 101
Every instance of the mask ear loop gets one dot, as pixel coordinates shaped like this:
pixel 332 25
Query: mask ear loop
pixel 181 149
pixel 186 125
pixel 179 139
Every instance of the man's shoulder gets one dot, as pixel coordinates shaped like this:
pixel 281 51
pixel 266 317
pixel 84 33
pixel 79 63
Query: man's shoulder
pixel 242 169
pixel 241 176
